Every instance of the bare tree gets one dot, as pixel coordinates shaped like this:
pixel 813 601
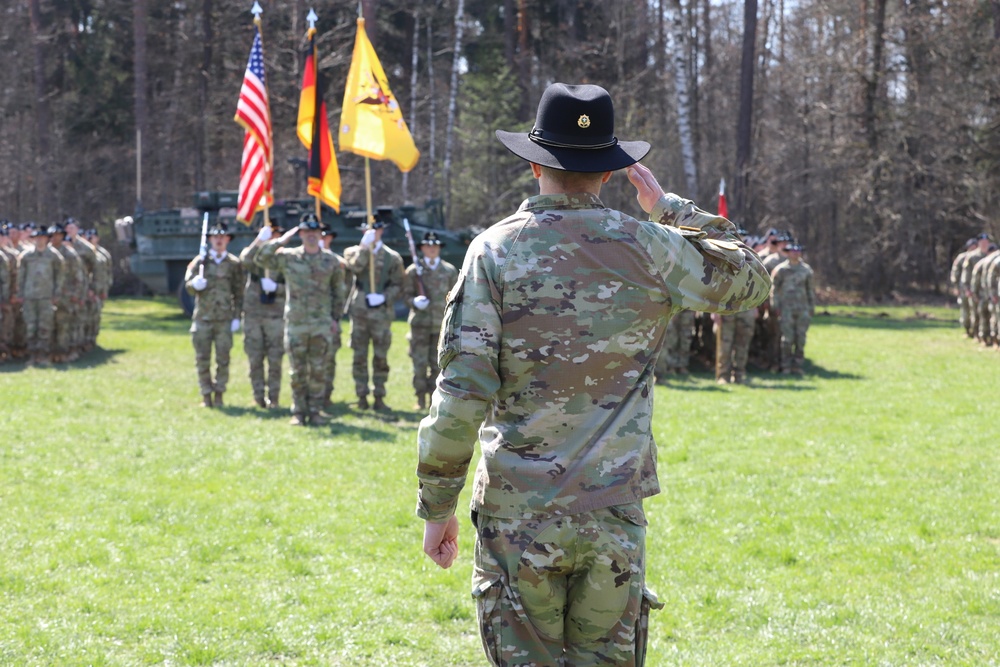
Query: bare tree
pixel 43 119
pixel 452 100
pixel 682 92
pixel 744 123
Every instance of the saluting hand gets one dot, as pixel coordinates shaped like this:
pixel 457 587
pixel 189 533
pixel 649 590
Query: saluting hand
pixel 441 541
pixel 647 189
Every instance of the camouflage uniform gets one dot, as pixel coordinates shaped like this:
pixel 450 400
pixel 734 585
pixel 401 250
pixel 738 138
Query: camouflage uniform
pixel 88 257
pixel 963 302
pixel 103 279
pixel 215 307
pixel 793 298
pixel 263 331
pixel 65 338
pixel 335 341
pixel 992 292
pixel 735 333
pixel 373 325
pixel 981 299
pixel 425 325
pixel 314 300
pixel 676 353
pixel 965 282
pixel 547 352
pixel 771 321
pixel 39 284
pixel 6 292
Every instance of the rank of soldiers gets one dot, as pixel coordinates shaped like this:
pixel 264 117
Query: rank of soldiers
pixel 53 284
pixel 290 301
pixel 773 335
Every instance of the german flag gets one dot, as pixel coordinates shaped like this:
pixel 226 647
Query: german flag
pixel 314 133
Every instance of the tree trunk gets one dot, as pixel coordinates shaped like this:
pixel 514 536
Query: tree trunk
pixel 683 100
pixel 45 196
pixel 201 133
pixel 432 113
pixel 452 99
pixel 744 123
pixel 140 69
pixel 413 94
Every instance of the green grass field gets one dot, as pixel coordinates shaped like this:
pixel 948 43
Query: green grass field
pixel 850 517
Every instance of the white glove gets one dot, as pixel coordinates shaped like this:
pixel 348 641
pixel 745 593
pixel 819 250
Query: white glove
pixel 265 233
pixel 199 283
pixel 368 239
pixel 234 326
pixel 374 300
pixel 268 285
pixel 421 302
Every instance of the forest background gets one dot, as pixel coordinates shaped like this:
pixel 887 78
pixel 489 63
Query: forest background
pixel 869 128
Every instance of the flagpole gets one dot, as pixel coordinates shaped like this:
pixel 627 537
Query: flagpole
pixel 257 11
pixel 311 34
pixel 371 221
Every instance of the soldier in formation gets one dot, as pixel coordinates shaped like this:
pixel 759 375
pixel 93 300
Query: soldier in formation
pixel 378 281
pixel 73 330
pixel 215 279
pixel 263 328
pixel 315 293
pixel 331 359
pixel 39 285
pixel 101 281
pixel 793 302
pixel 428 281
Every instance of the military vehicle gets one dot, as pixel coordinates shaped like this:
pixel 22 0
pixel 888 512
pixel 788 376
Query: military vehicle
pixel 165 241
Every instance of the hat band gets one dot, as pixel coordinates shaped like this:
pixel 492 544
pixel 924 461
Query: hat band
pixel 539 137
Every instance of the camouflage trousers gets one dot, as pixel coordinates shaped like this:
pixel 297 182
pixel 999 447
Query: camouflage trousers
pixel 206 334
pixel 735 333
pixel 676 350
pixel 331 367
pixel 423 354
pixel 985 316
pixel 264 344
pixel 308 347
pixel 374 328
pixel 563 591
pixel 6 327
pixel 39 317
pixel 965 314
pixel 65 337
pixel 794 325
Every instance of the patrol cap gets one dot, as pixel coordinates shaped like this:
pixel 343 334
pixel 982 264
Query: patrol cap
pixel 309 222
pixel 430 238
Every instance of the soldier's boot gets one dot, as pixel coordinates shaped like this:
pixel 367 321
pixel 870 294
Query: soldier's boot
pixel 218 399
pixel 421 401
pixel 380 404
pixel 739 377
pixel 206 400
pixel 318 419
pixel 272 401
pixel 363 402
pixel 297 420
pixel 259 400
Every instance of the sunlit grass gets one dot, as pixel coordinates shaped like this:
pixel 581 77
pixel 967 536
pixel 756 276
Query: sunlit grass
pixel 849 517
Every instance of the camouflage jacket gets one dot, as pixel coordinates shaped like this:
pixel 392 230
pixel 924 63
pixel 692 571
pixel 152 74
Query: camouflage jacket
pixel 956 267
pixel 314 284
pixel 222 299
pixel 6 277
pixel 969 263
pixel 103 271
pixel 792 286
pixel 437 283
pixel 993 278
pixel 254 298
pixel 39 274
pixel 548 349
pixel 88 254
pixel 388 275
pixel 75 283
pixel 977 281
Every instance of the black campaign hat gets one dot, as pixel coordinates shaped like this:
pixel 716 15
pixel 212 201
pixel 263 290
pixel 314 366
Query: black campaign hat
pixel 220 229
pixel 430 238
pixel 574 131
pixel 310 222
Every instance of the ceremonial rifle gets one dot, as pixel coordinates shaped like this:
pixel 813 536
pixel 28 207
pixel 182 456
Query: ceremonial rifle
pixel 416 260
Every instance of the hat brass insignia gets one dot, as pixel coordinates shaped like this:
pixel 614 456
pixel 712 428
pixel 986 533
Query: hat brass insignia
pixel 583 121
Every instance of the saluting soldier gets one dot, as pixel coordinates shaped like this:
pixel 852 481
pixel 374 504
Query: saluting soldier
pixel 65 338
pixel 428 281
pixel 371 310
pixel 793 300
pixel 39 284
pixel 954 276
pixel 22 242
pixel 216 282
pixel 965 278
pixel 547 353
pixel 263 328
pixel 314 283
pixel 980 289
pixel 88 256
pixel 103 279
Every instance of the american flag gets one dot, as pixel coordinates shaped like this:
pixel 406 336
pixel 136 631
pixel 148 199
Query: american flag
pixel 254 114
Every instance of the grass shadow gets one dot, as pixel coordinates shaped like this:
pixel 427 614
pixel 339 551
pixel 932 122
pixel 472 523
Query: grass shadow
pixel 883 320
pixel 96 357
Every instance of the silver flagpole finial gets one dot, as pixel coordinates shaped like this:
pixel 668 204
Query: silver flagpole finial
pixel 312 18
pixel 257 10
